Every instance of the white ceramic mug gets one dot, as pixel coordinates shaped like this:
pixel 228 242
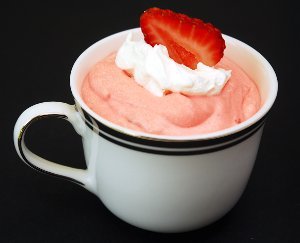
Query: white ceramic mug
pixel 158 183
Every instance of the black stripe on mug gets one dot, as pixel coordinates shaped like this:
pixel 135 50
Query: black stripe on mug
pixel 189 147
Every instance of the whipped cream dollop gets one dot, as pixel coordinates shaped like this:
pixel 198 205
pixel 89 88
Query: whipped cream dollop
pixel 153 69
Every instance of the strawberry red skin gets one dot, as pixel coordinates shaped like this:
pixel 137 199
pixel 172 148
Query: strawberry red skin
pixel 188 40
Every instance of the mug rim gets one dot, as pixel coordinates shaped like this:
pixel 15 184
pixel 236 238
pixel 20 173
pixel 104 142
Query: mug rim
pixel 258 117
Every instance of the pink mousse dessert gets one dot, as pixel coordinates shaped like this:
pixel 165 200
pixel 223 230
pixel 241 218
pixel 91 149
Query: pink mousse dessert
pixel 174 82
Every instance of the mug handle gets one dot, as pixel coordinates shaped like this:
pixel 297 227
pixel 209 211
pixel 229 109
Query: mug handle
pixel 42 111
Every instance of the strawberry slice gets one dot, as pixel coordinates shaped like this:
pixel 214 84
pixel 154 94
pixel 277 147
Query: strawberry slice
pixel 188 40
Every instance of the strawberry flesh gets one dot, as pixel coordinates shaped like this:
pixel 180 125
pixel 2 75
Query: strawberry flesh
pixel 188 40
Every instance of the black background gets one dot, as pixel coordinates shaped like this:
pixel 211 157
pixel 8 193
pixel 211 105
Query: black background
pixel 39 45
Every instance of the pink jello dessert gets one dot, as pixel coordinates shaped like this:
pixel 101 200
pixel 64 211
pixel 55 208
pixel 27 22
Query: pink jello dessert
pixel 114 94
